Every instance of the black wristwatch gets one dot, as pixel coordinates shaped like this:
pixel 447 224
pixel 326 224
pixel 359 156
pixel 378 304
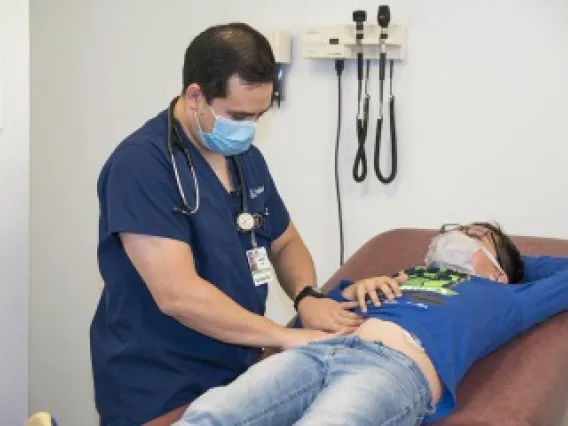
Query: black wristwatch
pixel 312 291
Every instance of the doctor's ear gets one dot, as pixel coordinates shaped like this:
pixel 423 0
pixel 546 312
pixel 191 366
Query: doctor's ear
pixel 194 96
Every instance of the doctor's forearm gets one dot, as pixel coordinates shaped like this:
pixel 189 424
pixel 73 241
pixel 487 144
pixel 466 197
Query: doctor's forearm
pixel 209 311
pixel 294 267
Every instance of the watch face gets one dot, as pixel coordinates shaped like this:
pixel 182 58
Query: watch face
pixel 245 222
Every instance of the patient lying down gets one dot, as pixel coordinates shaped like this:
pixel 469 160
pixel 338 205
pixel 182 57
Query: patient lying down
pixel 424 329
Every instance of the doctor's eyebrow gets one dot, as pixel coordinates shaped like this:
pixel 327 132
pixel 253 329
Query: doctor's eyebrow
pixel 246 114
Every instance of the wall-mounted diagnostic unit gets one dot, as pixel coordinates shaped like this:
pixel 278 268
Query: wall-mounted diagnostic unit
pixel 364 42
pixel 340 41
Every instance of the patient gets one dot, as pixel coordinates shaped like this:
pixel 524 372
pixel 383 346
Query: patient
pixel 425 328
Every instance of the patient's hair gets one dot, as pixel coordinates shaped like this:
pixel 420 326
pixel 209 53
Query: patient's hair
pixel 508 252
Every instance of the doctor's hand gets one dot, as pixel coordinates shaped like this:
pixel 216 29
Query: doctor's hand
pixel 302 336
pixel 328 315
pixel 360 290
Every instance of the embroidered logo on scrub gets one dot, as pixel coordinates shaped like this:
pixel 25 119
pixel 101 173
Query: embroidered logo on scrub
pixel 434 280
pixel 255 192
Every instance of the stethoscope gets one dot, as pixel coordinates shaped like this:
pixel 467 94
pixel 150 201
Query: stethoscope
pixel 245 221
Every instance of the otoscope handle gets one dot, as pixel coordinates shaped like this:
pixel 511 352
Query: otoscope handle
pixel 382 66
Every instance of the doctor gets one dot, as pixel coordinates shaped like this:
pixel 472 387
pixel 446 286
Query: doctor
pixel 190 222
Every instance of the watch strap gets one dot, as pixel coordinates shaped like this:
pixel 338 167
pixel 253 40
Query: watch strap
pixel 307 291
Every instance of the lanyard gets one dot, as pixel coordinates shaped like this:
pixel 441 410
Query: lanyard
pixel 246 222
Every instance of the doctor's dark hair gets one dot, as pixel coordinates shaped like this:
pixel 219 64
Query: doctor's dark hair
pixel 509 254
pixel 222 51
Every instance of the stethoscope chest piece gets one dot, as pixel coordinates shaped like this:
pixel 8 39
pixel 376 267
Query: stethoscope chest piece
pixel 247 222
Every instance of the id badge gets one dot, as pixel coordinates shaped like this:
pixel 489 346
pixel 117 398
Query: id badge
pixel 260 266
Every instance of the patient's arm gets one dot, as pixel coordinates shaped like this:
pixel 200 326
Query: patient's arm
pixel 542 299
pixel 539 267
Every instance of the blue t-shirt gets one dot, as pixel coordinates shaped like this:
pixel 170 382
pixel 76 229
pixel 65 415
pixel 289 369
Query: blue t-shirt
pixel 144 362
pixel 460 319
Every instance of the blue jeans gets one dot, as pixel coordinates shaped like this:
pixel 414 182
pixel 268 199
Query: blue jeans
pixel 340 381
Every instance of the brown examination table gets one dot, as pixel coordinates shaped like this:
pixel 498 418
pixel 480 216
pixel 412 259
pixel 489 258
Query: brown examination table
pixel 524 383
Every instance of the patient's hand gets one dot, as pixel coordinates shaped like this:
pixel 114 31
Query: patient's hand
pixel 328 315
pixel 369 286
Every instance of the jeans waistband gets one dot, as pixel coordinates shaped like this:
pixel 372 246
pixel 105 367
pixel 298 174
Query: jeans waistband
pixel 353 340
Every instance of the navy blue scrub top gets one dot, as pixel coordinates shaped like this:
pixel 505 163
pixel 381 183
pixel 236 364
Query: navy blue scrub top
pixel 144 362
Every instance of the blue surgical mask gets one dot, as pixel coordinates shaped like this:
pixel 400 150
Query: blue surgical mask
pixel 228 137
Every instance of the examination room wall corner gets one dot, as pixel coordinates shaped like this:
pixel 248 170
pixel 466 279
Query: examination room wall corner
pixel 481 99
pixel 15 208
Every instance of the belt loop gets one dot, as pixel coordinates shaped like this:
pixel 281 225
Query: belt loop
pixel 352 339
pixel 379 343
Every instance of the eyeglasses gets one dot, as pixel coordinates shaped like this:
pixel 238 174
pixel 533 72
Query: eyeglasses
pixel 474 231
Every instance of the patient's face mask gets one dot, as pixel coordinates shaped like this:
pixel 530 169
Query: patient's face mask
pixel 455 250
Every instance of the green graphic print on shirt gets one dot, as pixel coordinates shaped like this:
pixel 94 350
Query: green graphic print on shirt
pixel 434 280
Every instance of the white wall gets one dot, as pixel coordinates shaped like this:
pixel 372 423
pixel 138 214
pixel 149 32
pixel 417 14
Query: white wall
pixel 482 101
pixel 14 216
